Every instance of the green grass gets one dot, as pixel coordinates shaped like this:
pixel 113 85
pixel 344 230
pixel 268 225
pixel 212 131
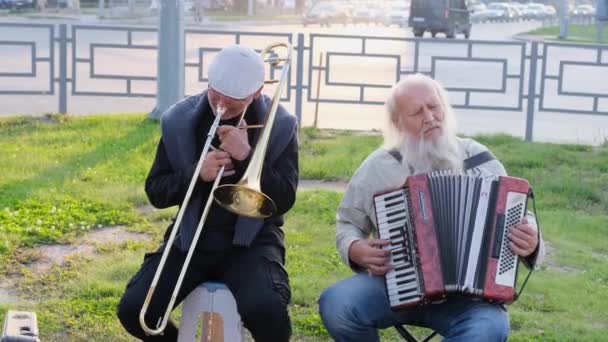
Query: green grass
pixel 333 154
pixel 63 176
pixel 576 33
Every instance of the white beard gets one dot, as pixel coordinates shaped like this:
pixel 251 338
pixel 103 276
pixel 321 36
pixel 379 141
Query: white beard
pixel 426 155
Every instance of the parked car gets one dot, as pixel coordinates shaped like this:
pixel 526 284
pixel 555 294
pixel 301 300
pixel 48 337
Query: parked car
pixel 536 11
pixel 502 12
pixel 518 8
pixel 446 16
pixel 326 13
pixel 18 4
pixel 583 10
pixel 25 4
pixel 6 4
pixel 478 12
pixel 550 11
pixel 368 13
pixel 397 15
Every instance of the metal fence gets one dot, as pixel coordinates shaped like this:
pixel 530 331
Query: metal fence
pixel 526 76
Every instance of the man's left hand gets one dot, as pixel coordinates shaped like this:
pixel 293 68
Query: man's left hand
pixel 524 238
pixel 234 141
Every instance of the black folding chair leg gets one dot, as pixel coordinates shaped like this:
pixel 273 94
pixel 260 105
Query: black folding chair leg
pixel 409 337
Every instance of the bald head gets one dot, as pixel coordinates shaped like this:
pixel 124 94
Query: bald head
pixel 417 106
pixel 420 124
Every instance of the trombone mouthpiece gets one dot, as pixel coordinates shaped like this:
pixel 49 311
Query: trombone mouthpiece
pixel 221 111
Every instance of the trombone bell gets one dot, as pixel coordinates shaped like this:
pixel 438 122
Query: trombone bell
pixel 243 200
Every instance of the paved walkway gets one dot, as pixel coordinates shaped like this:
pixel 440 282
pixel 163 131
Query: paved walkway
pixel 316 184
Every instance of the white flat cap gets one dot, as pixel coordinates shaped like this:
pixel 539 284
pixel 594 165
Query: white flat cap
pixel 236 71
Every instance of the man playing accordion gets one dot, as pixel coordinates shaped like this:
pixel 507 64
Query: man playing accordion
pixel 420 138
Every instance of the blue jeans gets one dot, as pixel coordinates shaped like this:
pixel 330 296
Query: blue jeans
pixel 355 308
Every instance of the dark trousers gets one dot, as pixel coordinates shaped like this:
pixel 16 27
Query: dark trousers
pixel 255 276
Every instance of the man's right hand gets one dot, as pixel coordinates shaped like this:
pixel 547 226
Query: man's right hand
pixel 213 163
pixel 367 254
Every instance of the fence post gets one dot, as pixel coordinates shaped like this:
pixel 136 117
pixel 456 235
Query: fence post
pixel 531 90
pixel 299 78
pixel 563 19
pixel 314 124
pixel 171 57
pixel 63 69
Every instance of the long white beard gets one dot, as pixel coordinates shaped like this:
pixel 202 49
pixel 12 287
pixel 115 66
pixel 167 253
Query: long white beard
pixel 426 155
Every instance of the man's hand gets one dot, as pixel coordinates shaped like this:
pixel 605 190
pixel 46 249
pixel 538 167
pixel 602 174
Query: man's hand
pixel 234 141
pixel 367 254
pixel 213 163
pixel 524 238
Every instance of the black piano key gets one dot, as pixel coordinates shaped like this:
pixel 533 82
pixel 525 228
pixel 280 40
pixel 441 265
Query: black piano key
pixel 405 274
pixel 392 197
pixel 397 243
pixel 402 259
pixel 405 282
pixel 405 298
pixel 397 219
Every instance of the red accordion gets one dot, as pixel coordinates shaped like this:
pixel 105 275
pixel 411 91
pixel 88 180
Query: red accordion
pixel 448 235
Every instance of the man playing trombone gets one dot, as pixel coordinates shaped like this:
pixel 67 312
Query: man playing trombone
pixel 247 254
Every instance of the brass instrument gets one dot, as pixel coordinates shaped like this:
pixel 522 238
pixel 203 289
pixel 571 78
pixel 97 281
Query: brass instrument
pixel 243 198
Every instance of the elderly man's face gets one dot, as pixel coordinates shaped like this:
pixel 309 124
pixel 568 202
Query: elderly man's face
pixel 420 112
pixel 234 107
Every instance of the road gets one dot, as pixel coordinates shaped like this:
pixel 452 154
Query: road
pixel 379 70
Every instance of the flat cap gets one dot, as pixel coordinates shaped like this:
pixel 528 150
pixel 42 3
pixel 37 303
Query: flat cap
pixel 236 71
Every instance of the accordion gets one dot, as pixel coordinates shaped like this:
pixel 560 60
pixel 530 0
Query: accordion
pixel 448 236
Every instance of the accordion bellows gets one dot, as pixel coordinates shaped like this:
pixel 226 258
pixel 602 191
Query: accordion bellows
pixel 448 236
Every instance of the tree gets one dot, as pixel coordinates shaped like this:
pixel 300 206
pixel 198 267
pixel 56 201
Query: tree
pixel 300 6
pixel 240 6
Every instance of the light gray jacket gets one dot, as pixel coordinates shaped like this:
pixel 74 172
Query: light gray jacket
pixel 381 172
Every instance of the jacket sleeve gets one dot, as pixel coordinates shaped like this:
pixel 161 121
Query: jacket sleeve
pixel 166 187
pixel 353 221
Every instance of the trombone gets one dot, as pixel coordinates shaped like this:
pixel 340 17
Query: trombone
pixel 243 198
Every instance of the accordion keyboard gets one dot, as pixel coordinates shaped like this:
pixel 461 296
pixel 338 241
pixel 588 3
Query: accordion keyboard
pixel 402 282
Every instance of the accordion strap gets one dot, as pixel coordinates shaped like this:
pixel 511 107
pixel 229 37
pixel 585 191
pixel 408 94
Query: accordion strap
pixel 478 159
pixel 521 289
pixel 396 154
pixel 469 163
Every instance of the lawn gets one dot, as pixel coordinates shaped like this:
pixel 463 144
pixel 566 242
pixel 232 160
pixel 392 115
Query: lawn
pixel 576 33
pixel 62 177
